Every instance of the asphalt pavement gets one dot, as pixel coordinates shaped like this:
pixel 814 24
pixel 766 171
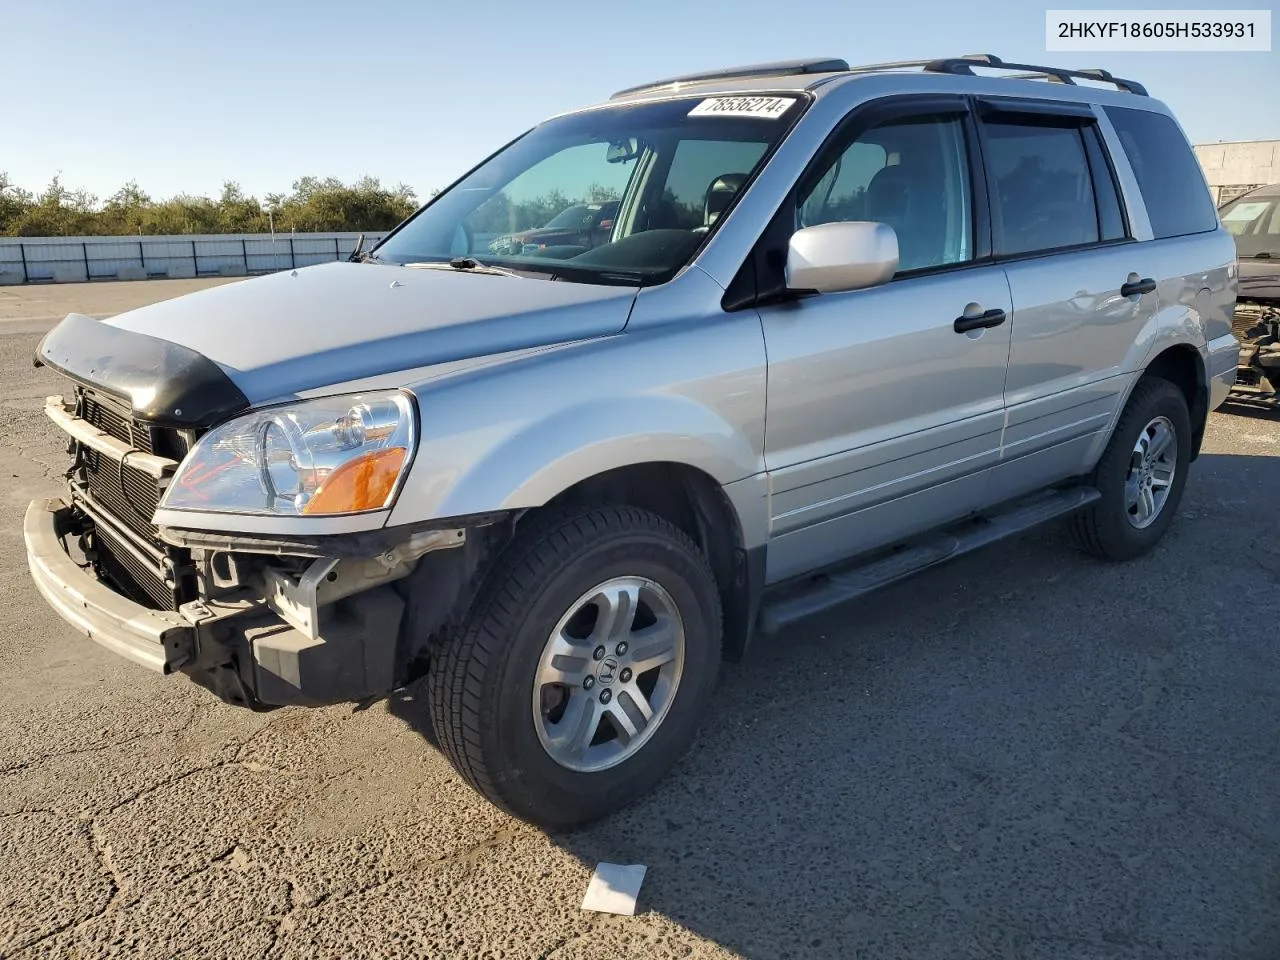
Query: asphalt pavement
pixel 1024 754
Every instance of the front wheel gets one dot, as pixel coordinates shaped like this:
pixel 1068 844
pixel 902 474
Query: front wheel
pixel 1140 475
pixel 584 667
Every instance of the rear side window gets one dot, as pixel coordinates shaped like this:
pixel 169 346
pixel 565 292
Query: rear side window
pixel 1172 184
pixel 1042 189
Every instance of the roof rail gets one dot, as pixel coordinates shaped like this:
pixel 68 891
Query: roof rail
pixel 777 68
pixel 964 65
pixel 1026 71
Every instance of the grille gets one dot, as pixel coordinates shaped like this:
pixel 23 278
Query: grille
pixel 120 501
pixel 130 495
pixel 136 578
pixel 116 423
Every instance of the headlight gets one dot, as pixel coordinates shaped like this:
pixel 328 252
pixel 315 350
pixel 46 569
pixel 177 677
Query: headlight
pixel 319 457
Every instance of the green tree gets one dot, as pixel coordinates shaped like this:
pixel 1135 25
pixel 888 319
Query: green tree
pixel 313 204
pixel 600 194
pixel 14 203
pixel 125 211
pixel 330 204
pixel 58 212
pixel 237 213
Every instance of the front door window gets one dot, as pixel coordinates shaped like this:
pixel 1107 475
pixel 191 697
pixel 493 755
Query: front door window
pixel 910 174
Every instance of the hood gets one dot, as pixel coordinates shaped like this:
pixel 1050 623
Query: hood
pixel 1259 279
pixel 275 336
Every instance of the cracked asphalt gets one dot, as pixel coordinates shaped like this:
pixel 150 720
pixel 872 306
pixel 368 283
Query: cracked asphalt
pixel 1025 754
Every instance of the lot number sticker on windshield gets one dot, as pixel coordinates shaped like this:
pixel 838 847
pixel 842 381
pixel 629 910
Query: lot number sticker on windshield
pixel 766 108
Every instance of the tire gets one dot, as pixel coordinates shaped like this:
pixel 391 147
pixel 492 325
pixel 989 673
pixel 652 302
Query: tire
pixel 482 703
pixel 1109 528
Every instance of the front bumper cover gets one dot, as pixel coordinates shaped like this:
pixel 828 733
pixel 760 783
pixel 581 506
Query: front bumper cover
pixel 238 648
pixel 156 639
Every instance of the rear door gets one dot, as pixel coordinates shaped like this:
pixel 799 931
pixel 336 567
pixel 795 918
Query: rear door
pixel 1084 301
pixel 885 414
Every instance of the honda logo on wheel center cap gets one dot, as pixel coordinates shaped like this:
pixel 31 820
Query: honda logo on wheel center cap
pixel 608 670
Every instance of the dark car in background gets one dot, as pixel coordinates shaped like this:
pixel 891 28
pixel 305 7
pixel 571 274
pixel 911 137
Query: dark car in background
pixel 583 225
pixel 1254 220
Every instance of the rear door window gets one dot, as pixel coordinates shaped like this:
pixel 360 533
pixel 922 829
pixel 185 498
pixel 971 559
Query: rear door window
pixel 1042 191
pixel 1172 183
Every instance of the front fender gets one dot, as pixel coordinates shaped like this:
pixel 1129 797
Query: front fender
pixel 532 466
pixel 515 435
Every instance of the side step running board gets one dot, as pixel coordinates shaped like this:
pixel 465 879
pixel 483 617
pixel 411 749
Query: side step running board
pixel 841 585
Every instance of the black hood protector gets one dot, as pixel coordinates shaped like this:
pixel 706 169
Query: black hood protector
pixel 165 383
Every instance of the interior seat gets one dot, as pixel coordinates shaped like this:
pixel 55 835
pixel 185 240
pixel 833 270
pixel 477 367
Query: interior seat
pixel 719 194
pixel 907 198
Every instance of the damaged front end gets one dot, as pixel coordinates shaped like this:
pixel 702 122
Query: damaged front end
pixel 1256 325
pixel 259 621
pixel 291 622
pixel 260 618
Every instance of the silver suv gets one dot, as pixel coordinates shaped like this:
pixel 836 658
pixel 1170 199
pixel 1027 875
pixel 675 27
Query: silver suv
pixel 847 323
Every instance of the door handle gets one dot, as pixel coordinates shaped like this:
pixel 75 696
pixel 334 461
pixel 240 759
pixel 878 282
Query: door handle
pixel 1136 288
pixel 989 318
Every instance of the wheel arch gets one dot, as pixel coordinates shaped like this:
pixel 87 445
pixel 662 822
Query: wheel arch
pixel 692 500
pixel 1183 365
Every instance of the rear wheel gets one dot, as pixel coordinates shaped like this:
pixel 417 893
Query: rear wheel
pixel 583 668
pixel 1140 475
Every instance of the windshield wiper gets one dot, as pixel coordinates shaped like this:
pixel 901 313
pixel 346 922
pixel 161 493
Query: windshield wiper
pixel 467 265
pixel 471 263
pixel 358 255
pixel 549 270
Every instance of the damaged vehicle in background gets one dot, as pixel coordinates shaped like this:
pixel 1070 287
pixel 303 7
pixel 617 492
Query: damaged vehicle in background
pixel 584 225
pixel 1254 220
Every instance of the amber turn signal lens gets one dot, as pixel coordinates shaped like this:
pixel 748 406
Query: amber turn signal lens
pixel 360 484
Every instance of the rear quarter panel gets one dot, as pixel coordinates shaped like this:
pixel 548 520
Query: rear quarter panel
pixel 1197 291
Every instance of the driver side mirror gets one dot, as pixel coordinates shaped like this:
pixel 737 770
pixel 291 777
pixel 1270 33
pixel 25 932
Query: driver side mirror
pixel 833 257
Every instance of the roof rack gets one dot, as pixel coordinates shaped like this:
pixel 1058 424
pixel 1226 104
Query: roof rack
pixel 777 68
pixel 964 65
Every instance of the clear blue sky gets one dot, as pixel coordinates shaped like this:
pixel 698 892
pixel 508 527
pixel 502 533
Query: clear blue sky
pixel 181 96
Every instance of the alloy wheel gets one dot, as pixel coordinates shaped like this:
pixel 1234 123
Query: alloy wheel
pixel 608 674
pixel 1152 464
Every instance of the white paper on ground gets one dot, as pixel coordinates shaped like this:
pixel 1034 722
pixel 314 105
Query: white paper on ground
pixel 614 888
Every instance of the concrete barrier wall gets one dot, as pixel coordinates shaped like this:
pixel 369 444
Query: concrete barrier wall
pixel 1236 168
pixel 77 259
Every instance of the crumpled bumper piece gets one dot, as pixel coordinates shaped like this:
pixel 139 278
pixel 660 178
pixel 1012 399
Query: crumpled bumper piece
pixel 157 639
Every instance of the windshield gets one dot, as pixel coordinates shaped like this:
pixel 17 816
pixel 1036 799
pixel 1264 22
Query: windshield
pixel 1255 223
pixel 626 194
